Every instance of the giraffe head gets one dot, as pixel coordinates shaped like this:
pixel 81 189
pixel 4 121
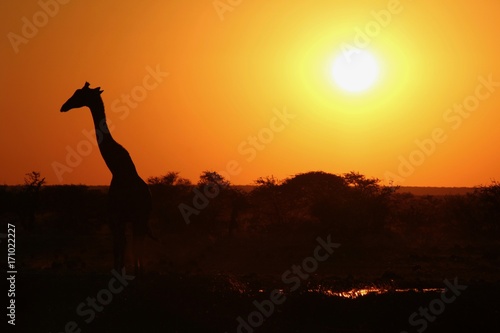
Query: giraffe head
pixel 82 97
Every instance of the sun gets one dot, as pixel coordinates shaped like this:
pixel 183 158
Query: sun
pixel 355 72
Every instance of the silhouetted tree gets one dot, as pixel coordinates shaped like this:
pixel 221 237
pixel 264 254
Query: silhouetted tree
pixel 486 204
pixel 372 198
pixel 361 183
pixel 213 178
pixel 218 192
pixel 225 202
pixel 238 203
pixel 33 183
pixel 316 195
pixel 169 179
pixel 348 205
pixel 268 188
pixel 168 191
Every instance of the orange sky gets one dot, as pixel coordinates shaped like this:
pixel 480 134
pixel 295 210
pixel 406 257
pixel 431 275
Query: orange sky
pixel 231 70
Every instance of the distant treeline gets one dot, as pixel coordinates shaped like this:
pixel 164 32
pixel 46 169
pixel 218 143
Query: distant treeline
pixel 350 205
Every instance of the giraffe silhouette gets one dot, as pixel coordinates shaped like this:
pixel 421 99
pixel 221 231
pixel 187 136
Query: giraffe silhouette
pixel 129 198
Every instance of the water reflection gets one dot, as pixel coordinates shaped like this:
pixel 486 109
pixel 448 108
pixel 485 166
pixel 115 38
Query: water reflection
pixel 359 292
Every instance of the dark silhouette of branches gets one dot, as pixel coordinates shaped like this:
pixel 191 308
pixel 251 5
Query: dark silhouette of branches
pixel 33 183
pixel 168 191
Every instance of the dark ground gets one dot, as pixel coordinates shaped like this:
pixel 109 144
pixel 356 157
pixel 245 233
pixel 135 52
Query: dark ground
pixel 208 284
pixel 177 303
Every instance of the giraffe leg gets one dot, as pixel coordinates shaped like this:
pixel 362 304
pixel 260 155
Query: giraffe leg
pixel 119 244
pixel 139 234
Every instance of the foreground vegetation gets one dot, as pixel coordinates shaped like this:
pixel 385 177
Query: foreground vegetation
pixel 351 206
pixel 221 247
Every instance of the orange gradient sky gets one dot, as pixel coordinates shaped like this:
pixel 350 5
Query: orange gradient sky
pixel 430 120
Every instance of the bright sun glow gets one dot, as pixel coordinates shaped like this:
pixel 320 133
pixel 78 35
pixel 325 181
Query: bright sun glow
pixel 355 72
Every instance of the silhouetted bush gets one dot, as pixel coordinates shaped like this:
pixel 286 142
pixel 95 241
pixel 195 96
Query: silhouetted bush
pixel 168 191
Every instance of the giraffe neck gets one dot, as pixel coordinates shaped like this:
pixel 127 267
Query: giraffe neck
pixel 100 125
pixel 115 156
